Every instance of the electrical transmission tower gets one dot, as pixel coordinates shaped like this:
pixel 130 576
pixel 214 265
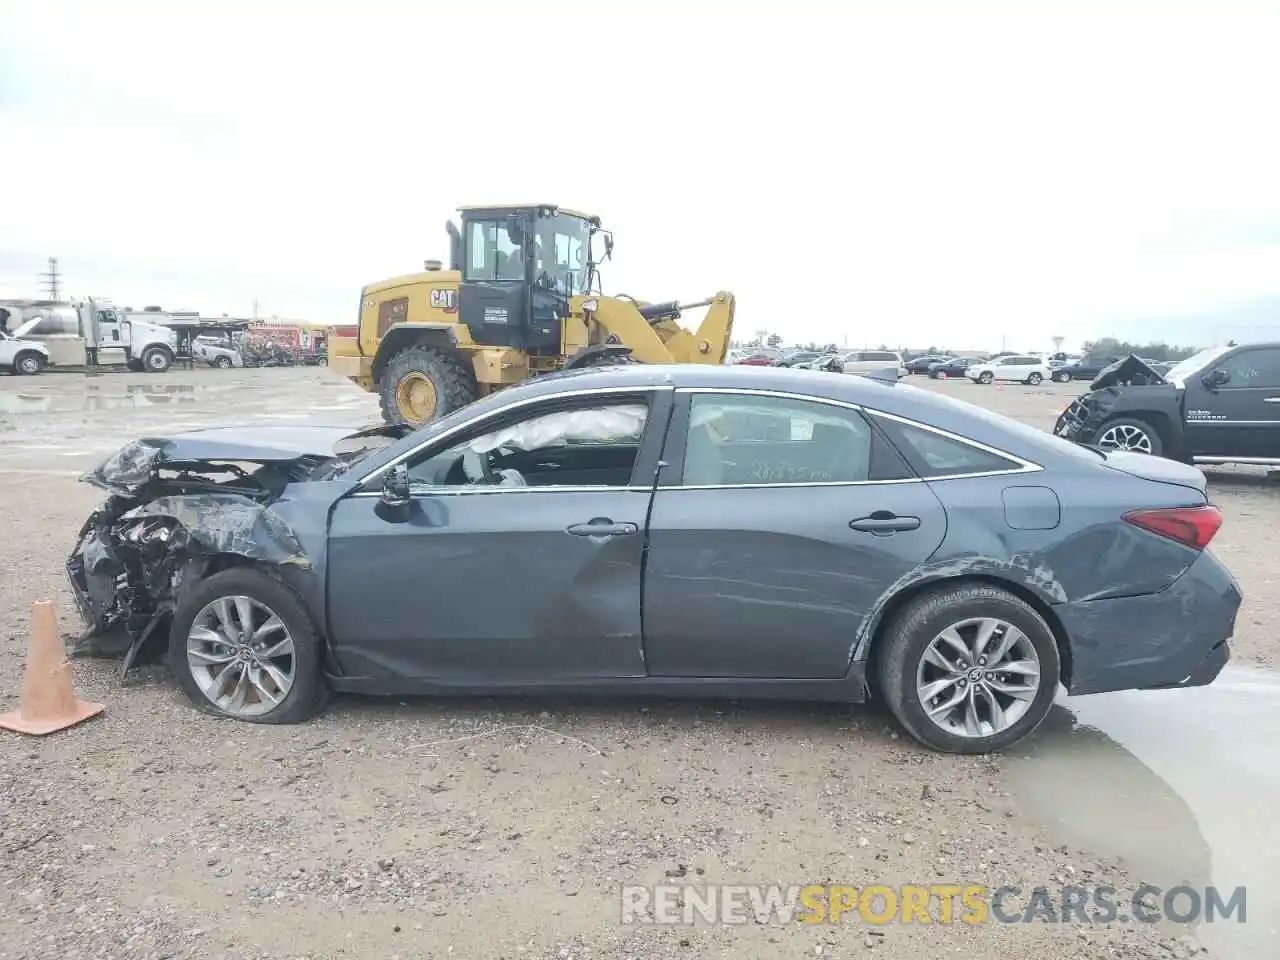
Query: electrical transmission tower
pixel 52 279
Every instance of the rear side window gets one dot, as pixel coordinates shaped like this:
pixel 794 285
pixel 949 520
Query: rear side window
pixel 937 455
pixel 739 439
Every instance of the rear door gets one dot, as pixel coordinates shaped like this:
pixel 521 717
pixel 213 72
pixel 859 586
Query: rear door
pixel 778 523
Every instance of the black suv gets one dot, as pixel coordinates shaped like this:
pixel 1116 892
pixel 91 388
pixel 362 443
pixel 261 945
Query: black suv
pixel 1220 406
pixel 1086 368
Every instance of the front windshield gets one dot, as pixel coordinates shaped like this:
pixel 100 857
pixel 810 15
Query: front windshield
pixel 1193 364
pixel 561 251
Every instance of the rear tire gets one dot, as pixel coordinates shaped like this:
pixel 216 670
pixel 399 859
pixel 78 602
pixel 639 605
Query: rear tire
pixel 1061 377
pixel 308 692
pixel 28 363
pixel 912 632
pixel 422 380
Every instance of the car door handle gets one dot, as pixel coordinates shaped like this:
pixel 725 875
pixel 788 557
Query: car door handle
pixel 601 527
pixel 1272 400
pixel 882 523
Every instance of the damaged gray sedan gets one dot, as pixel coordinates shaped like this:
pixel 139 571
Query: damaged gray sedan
pixel 692 530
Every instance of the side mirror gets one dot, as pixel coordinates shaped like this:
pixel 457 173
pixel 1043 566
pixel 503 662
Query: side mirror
pixel 1216 379
pixel 515 228
pixel 395 486
pixel 394 503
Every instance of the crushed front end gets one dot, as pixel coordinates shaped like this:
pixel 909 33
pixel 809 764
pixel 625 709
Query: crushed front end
pixel 178 508
pixel 1108 396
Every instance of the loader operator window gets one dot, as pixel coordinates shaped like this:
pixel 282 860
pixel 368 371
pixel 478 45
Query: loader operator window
pixel 491 253
pixel 561 247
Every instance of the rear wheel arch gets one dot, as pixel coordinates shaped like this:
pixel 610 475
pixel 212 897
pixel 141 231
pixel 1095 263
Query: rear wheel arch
pixel 875 647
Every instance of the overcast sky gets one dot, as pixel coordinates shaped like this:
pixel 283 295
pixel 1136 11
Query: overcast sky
pixel 957 172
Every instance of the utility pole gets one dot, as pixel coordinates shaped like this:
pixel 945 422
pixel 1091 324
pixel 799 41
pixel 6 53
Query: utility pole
pixel 255 308
pixel 51 279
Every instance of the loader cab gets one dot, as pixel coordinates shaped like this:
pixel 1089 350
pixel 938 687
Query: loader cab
pixel 520 265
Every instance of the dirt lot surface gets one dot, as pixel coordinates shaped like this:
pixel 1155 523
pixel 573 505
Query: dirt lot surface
pixel 487 829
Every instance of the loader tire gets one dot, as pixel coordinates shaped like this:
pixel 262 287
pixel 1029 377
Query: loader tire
pixel 421 384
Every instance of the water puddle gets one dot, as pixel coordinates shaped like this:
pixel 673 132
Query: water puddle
pixel 1181 785
pixel 125 396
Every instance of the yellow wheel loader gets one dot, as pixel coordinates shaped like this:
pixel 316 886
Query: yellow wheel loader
pixel 521 298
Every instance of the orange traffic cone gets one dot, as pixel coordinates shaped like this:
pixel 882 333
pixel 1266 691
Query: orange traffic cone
pixel 48 700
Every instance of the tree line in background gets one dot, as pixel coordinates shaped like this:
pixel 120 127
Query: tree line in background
pixel 1104 346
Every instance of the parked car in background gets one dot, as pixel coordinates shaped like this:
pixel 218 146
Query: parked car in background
pixel 975 595
pixel 1220 406
pixel 25 357
pixel 1019 368
pixel 763 357
pixel 1085 368
pixel 216 351
pixel 796 358
pixel 922 364
pixel 955 367
pixel 870 361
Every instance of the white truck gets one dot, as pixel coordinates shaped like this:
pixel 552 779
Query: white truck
pixel 90 334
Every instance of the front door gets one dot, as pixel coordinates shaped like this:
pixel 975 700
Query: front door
pixel 772 540
pixel 519 558
pixel 1239 415
pixel 493 298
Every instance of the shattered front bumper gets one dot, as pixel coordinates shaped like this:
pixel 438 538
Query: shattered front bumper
pixel 1076 422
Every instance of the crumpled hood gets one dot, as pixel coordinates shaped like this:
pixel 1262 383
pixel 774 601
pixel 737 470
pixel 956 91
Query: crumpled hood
pixel 1130 370
pixel 133 465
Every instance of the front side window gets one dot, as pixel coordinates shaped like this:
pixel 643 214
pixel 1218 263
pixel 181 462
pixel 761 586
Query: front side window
pixel 736 439
pixel 561 251
pixel 491 253
pixel 582 446
pixel 1252 368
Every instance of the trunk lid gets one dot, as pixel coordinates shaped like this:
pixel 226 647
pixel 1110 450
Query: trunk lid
pixel 1158 469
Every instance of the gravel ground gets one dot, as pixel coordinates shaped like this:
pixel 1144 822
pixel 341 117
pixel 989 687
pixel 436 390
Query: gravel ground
pixel 478 828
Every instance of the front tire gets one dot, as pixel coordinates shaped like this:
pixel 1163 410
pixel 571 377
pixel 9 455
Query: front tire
pixel 421 384
pixel 28 363
pixel 1034 380
pixel 243 646
pixel 986 377
pixel 222 362
pixel 157 360
pixel 940 668
pixel 1131 435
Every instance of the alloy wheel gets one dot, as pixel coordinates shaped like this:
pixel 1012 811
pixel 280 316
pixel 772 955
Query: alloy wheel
pixel 1125 436
pixel 241 656
pixel 978 677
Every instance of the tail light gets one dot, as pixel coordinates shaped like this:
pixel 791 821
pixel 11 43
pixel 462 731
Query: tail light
pixel 1192 527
